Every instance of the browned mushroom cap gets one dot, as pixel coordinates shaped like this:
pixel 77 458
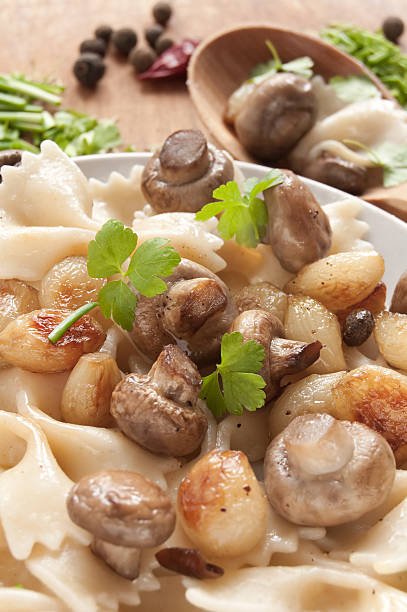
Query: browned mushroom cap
pixel 320 471
pixel 399 300
pixel 159 411
pixel 282 356
pixel 197 309
pixel 299 230
pixel 122 508
pixel 183 175
pixel 337 172
pixel 276 115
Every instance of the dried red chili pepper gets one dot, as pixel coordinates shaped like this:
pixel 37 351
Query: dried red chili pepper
pixel 172 62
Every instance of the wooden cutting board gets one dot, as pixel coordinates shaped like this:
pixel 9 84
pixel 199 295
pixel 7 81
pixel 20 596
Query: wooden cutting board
pixel 41 38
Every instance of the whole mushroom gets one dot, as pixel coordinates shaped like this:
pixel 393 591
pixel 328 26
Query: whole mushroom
pixel 337 172
pixel 184 173
pixel 159 411
pixel 275 115
pixel 321 472
pixel 195 311
pixel 125 512
pixel 399 300
pixel 298 230
pixel 282 356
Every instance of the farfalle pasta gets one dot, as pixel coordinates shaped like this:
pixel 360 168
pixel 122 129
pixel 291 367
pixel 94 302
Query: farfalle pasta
pixel 46 563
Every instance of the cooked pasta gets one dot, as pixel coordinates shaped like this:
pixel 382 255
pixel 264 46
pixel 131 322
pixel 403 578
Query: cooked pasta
pixel 46 564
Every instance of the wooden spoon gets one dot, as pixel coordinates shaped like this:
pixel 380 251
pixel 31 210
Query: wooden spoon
pixel 222 62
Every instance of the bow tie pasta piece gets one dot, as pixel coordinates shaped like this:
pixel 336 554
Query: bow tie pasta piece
pixel 47 189
pixel 22 252
pixel 81 580
pixel 33 492
pixel 81 450
pixel 119 197
pixel 15 599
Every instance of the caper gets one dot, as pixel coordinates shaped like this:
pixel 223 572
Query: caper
pixel 393 28
pixel 162 12
pixel 142 59
pixel 89 69
pixel 163 43
pixel 124 40
pixel 93 45
pixel 357 327
pixel 152 33
pixel 104 32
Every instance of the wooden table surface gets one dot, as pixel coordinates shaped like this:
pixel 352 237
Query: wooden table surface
pixel 41 38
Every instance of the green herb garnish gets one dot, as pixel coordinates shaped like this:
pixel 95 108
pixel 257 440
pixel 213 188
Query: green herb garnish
pixel 244 216
pixel 241 385
pixel 112 246
pixel 27 122
pixel 301 66
pixel 381 56
pixel 354 88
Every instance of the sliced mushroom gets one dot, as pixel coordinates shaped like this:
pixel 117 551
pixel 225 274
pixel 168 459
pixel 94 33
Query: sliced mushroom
pixel 399 300
pixel 337 172
pixel 275 115
pixel 184 173
pixel 282 356
pixel 322 472
pixel 125 512
pixel 159 411
pixel 299 230
pixel 196 310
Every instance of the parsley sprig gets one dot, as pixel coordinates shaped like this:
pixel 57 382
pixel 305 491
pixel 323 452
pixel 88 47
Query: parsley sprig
pixel 112 246
pixel 241 385
pixel 301 66
pixel 244 216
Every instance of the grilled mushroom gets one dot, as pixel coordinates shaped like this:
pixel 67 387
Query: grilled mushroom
pixel 399 300
pixel 159 411
pixel 337 172
pixel 275 115
pixel 322 472
pixel 282 356
pixel 196 310
pixel 184 173
pixel 125 512
pixel 299 230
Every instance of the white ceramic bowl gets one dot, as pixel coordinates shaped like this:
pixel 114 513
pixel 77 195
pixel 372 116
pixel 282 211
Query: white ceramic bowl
pixel 387 233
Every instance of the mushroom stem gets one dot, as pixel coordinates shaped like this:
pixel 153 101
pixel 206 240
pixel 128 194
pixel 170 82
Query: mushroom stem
pixel 124 561
pixel 319 446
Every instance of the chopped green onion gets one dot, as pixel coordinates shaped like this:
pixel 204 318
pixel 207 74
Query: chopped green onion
pixel 35 92
pixel 59 331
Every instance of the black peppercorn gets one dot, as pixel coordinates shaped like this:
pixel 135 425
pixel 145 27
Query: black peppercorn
pixel 93 45
pixel 393 28
pixel 357 327
pixel 104 32
pixel 162 44
pixel 162 12
pixel 89 69
pixel 142 59
pixel 152 33
pixel 124 40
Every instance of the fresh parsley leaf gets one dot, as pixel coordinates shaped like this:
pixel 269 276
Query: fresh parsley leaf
pixel 393 158
pixel 151 260
pixel 301 66
pixel 118 301
pixel 245 216
pixel 113 244
pixel 354 88
pixel 241 386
